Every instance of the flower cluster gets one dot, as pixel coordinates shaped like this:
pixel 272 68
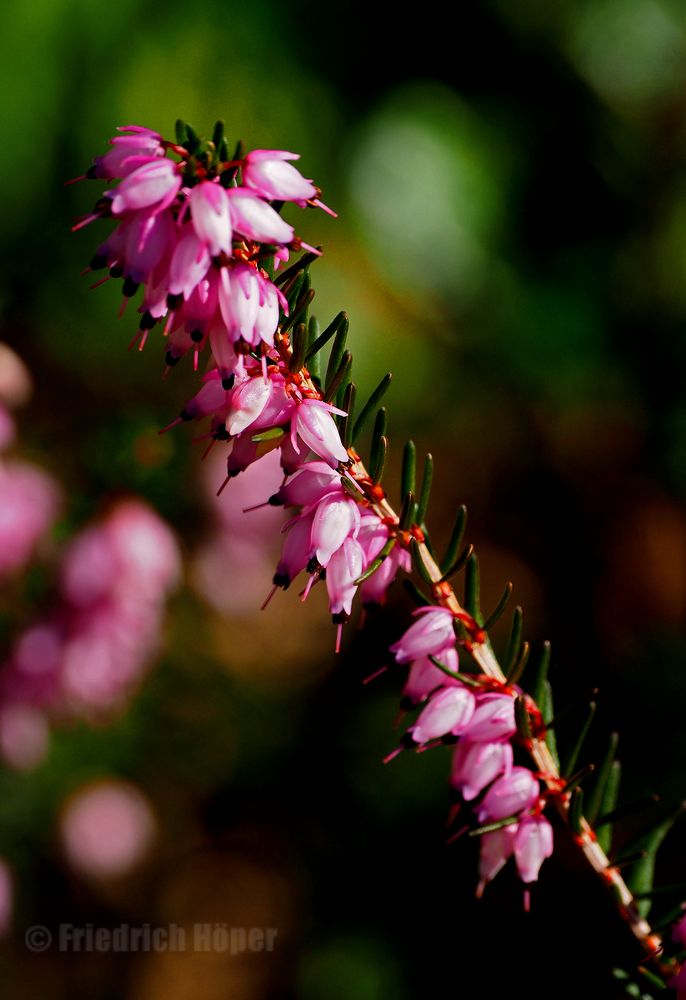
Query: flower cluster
pixel 194 228
pixel 88 653
pixel 479 717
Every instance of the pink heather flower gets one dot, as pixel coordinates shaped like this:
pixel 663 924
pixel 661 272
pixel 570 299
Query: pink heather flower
pixel 297 550
pixel 255 219
pixel 146 550
pixel 344 567
pixel 335 519
pixel 24 736
pixel 124 156
pixel 476 765
pixel 679 932
pixel 428 636
pixel 448 712
pixel 249 305
pixel 310 483
pixel 493 719
pixel 153 185
pixel 146 240
pixel 212 398
pixel 7 428
pixel 315 425
pixel 30 500
pixel 373 536
pixel 511 795
pixel 189 264
pixel 211 217
pixel 248 400
pixel 424 677
pixel 496 847
pixel 268 172
pixel 107 828
pixel 15 381
pixel 532 845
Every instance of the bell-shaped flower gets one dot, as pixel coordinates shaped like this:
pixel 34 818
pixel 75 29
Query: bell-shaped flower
pixel 209 204
pixel 248 400
pixel 447 713
pixel 153 185
pixel 344 567
pixel 315 425
pixel 268 172
pixel 496 847
pixel 189 264
pixel 425 677
pixel 494 718
pixel 510 795
pixel 125 154
pixel 310 483
pixel 335 519
pixel 476 765
pixel 533 843
pixel 428 636
pixel 296 552
pixel 256 220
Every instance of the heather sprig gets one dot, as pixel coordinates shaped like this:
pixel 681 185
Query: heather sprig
pixel 199 227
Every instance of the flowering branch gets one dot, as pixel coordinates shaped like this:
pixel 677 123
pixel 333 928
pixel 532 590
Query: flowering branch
pixel 201 230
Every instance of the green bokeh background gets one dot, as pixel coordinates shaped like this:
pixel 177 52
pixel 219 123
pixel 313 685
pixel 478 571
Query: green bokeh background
pixel 512 244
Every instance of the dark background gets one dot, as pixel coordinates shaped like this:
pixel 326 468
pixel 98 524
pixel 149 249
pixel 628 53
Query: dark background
pixel 512 244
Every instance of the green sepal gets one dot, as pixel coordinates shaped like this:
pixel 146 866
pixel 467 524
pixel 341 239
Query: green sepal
pixel 455 541
pixel 313 361
pixel 371 404
pixel 500 607
pixel 408 475
pixel 573 755
pixel 676 888
pixel 655 981
pixel 218 134
pixel 378 433
pixel 425 488
pixel 192 142
pixel 595 798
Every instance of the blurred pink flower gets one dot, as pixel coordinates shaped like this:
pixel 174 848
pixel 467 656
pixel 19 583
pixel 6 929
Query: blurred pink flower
pixel 29 502
pixel 106 829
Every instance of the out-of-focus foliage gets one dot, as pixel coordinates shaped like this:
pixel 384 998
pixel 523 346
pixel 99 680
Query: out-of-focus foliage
pixel 512 242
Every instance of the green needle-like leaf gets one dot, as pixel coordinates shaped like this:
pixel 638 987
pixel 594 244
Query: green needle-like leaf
pixel 576 810
pixel 336 380
pixel 425 489
pixel 299 345
pixel 519 664
pixel 337 350
pixel 408 477
pixel 548 712
pixel 419 598
pixel 346 424
pixel 500 607
pixel 641 877
pixel 607 805
pixel 418 561
pixel 471 589
pixel 573 755
pixel 455 542
pixel 540 677
pixel 370 406
pixel 515 641
pixel 378 462
pixel 595 798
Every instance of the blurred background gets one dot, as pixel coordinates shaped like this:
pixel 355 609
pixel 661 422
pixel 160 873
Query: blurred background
pixel 512 244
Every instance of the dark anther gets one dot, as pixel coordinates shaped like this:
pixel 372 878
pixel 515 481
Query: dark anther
pixel 313 565
pixel 220 434
pixel 281 580
pixel 227 383
pixel 274 501
pixel 197 336
pixel 340 618
pixel 98 262
pixel 116 271
pixel 91 172
pixel 147 321
pixel 185 415
pixel 130 287
pixel 174 301
pixel 171 359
